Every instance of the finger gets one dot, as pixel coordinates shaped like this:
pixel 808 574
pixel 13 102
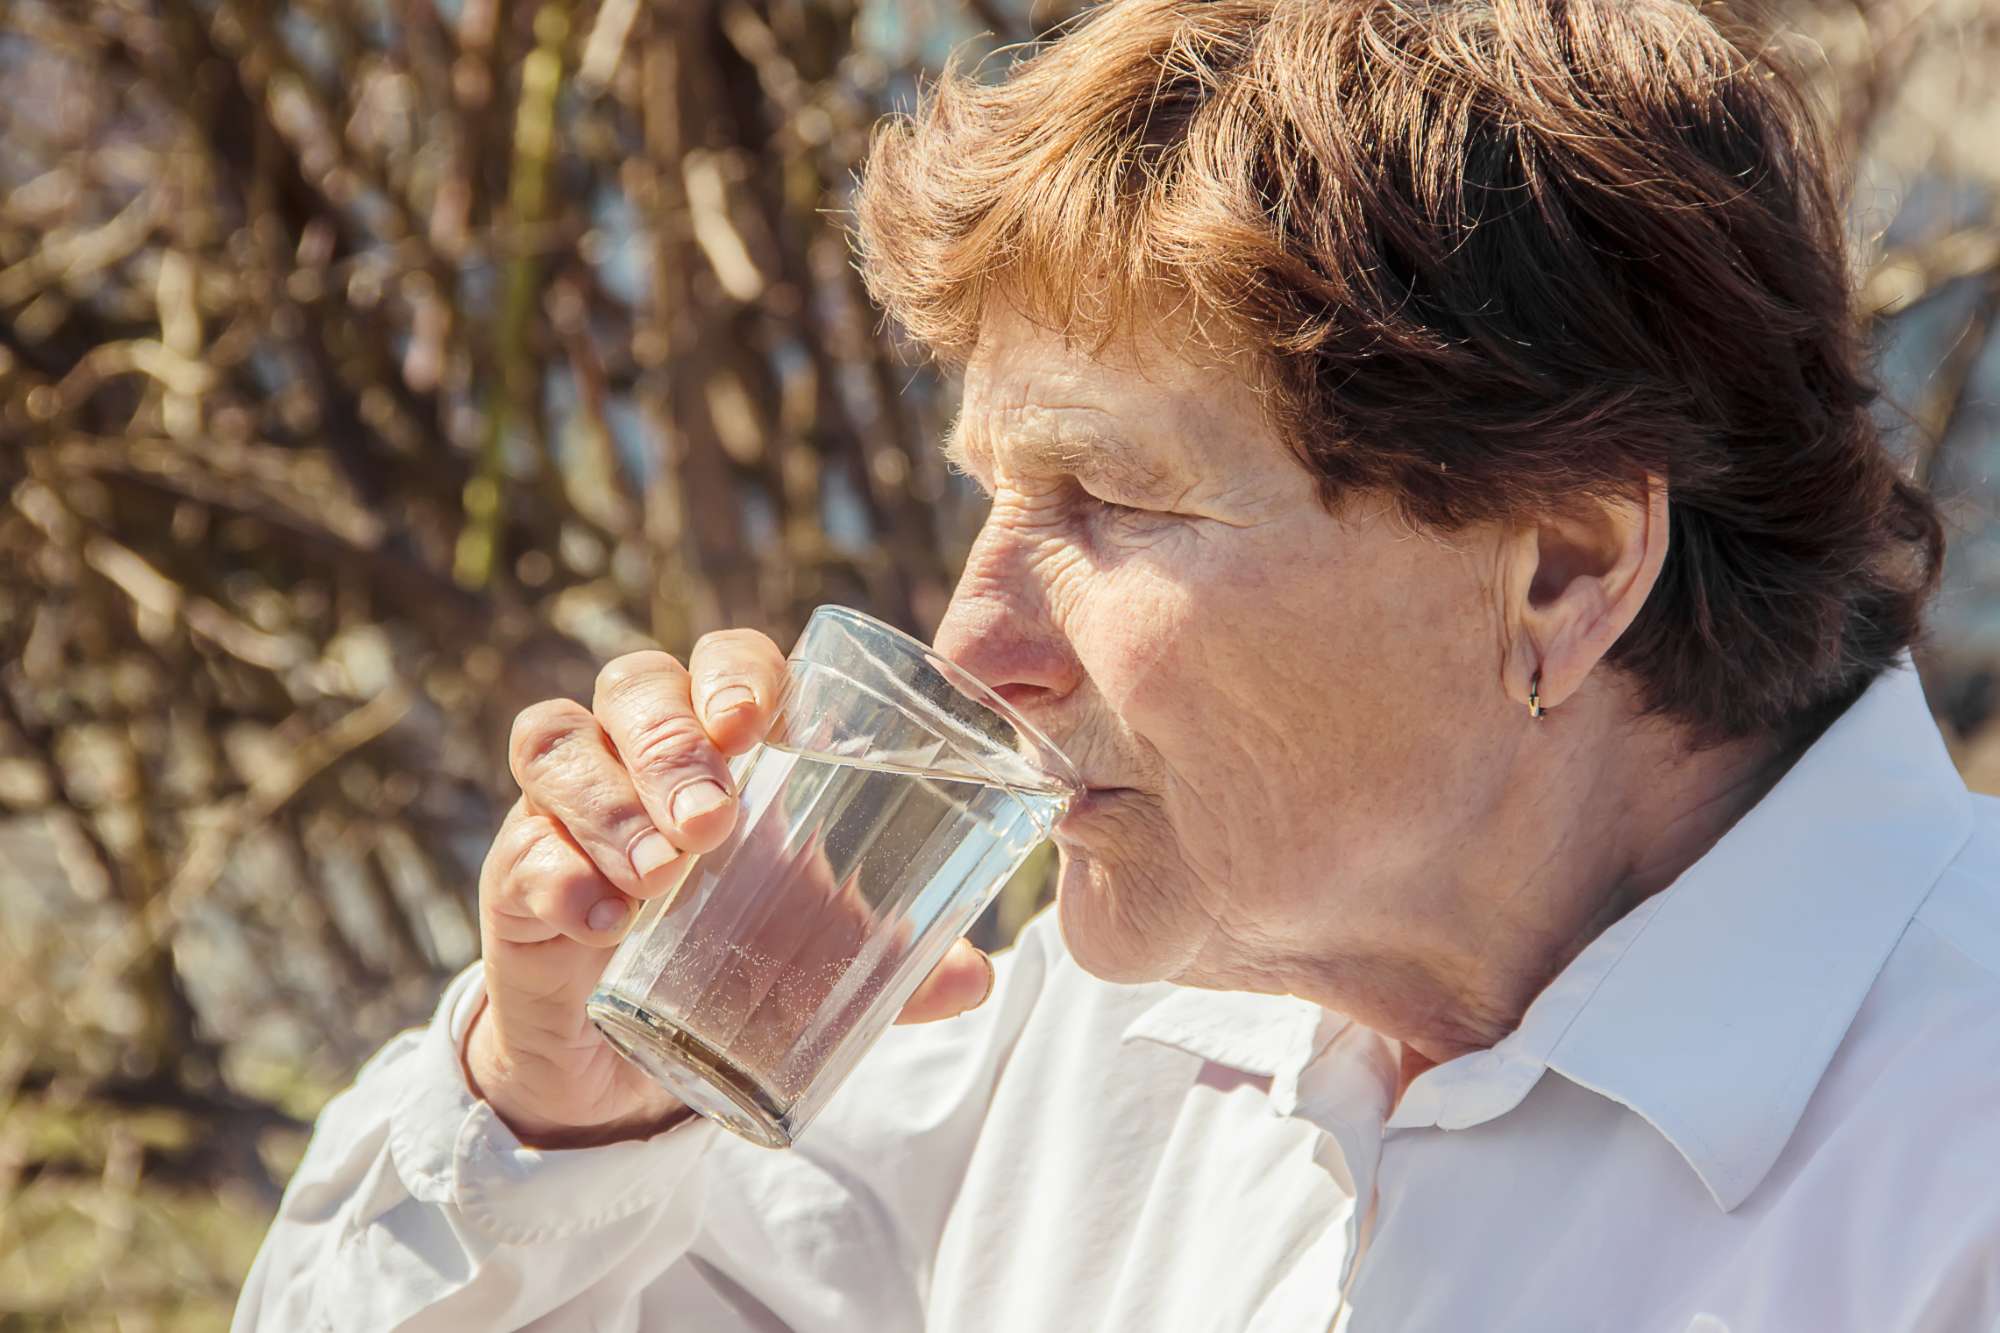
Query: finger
pixel 736 677
pixel 643 705
pixel 538 976
pixel 962 980
pixel 541 884
pixel 569 772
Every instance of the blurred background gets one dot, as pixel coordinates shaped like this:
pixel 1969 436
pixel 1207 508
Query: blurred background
pixel 370 369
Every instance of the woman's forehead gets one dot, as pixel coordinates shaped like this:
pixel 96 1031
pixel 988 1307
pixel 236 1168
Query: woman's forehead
pixel 1142 387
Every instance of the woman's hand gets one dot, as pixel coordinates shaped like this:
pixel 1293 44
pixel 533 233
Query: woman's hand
pixel 613 798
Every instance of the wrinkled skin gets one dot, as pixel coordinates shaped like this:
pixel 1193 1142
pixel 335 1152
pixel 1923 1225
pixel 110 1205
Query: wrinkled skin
pixel 1334 785
pixel 1312 770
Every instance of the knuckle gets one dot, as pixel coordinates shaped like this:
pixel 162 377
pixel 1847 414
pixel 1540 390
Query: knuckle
pixel 609 815
pixel 669 744
pixel 551 861
pixel 517 835
pixel 517 849
pixel 622 676
pixel 542 732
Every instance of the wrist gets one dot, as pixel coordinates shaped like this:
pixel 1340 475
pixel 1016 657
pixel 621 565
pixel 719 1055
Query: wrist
pixel 485 1064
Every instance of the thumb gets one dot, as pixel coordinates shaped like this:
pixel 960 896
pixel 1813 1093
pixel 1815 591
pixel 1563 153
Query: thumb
pixel 961 981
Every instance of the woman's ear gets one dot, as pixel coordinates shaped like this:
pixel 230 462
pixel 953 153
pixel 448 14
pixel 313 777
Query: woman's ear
pixel 1585 575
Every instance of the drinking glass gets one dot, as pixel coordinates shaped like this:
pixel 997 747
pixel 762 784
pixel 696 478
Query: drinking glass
pixel 892 797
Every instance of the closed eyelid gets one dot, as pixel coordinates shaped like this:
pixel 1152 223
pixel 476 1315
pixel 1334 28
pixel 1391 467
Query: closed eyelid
pixel 1145 491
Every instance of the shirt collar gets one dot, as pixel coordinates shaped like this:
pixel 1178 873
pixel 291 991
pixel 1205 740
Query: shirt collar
pixel 1713 1008
pixel 1271 1035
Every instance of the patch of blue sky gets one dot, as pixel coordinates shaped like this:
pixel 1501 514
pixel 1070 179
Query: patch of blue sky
pixel 627 425
pixel 843 514
pixel 621 261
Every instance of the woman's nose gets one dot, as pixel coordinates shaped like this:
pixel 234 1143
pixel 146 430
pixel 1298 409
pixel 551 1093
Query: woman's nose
pixel 1000 628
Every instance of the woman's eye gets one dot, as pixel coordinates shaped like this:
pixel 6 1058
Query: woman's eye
pixel 1111 508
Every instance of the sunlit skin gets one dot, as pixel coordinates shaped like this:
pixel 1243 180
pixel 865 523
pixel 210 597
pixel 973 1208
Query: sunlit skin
pixel 1312 766
pixel 1331 785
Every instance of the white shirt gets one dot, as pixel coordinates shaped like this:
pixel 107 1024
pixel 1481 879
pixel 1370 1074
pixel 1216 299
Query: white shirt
pixel 1765 1101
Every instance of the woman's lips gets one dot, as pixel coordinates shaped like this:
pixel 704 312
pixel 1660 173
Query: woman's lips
pixel 1093 802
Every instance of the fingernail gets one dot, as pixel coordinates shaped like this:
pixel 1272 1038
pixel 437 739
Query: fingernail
pixel 697 799
pixel 608 913
pixel 730 698
pixel 649 854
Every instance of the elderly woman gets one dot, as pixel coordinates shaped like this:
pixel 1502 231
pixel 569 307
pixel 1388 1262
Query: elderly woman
pixel 1435 501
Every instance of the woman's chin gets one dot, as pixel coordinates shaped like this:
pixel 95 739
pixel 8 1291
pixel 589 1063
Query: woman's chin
pixel 1100 930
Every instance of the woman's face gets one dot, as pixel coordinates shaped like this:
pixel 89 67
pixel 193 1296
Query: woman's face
pixel 1295 721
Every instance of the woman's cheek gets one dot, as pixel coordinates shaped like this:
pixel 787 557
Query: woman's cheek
pixel 1130 636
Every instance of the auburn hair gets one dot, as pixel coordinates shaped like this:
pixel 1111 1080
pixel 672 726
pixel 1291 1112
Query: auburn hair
pixel 1488 257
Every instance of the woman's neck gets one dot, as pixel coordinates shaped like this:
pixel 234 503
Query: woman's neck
pixel 1597 831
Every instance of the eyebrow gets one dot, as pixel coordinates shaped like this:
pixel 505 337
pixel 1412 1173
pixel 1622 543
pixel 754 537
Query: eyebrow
pixel 1088 455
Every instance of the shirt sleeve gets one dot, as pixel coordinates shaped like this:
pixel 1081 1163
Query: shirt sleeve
pixel 415 1207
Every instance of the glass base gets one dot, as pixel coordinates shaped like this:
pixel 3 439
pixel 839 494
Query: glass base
pixel 690 1069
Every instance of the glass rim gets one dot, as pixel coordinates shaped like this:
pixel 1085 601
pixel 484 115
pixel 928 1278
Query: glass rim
pixel 987 698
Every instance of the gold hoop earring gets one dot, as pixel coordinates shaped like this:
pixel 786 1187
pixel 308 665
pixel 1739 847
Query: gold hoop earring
pixel 1535 709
